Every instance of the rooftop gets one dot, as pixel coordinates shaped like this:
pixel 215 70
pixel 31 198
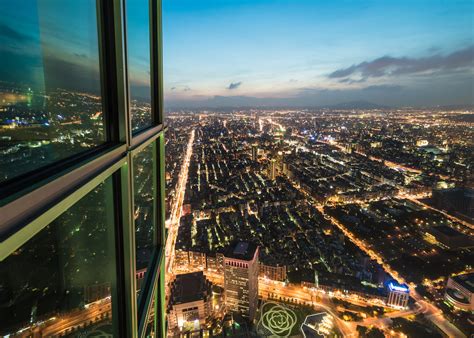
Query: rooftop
pixel 190 287
pixel 241 250
pixel 466 281
pixel 394 286
pixel 448 231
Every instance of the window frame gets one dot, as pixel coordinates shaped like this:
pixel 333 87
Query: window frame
pixel 30 202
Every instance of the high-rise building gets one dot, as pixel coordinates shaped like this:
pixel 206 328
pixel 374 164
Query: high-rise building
pixel 272 169
pixel 280 158
pixel 82 176
pixel 284 169
pixel 254 152
pixel 241 270
pixel 398 295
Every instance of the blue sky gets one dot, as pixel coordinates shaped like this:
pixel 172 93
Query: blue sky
pixel 289 51
pixel 257 52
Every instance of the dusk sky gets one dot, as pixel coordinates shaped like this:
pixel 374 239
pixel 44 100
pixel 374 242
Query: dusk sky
pixel 310 52
pixel 259 52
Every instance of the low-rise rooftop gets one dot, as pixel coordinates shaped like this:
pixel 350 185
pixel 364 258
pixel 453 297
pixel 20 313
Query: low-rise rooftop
pixel 190 287
pixel 241 250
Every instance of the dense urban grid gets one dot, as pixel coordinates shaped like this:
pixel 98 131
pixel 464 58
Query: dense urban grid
pixel 363 220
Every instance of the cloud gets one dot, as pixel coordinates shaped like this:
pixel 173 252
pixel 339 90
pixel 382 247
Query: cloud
pixel 386 87
pixel 234 85
pixel 180 88
pixel 81 55
pixel 434 49
pixel 351 81
pixel 395 66
pixel 349 93
pixel 437 91
pixel 12 34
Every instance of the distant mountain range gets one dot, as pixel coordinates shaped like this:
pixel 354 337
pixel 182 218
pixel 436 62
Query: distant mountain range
pixel 228 103
pixel 455 107
pixel 236 102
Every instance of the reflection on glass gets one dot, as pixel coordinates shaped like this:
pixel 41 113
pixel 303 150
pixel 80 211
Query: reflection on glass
pixel 150 327
pixel 50 100
pixel 138 49
pixel 144 213
pixel 59 282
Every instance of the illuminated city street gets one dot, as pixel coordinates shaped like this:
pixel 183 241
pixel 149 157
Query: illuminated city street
pixel 173 223
pixel 430 311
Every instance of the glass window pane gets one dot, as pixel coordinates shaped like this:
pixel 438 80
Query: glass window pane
pixel 138 49
pixel 145 240
pixel 50 98
pixel 60 281
pixel 150 331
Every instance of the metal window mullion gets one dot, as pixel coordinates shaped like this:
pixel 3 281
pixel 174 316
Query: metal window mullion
pixel 155 304
pixel 22 210
pixel 121 69
pixel 156 194
pixel 118 295
pixel 156 52
pixel 114 92
pixel 149 289
pixel 127 111
pixel 160 311
pixel 143 327
pixel 144 142
pixel 129 260
pixel 112 61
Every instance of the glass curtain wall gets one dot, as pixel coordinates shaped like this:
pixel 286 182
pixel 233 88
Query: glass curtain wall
pixel 81 168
